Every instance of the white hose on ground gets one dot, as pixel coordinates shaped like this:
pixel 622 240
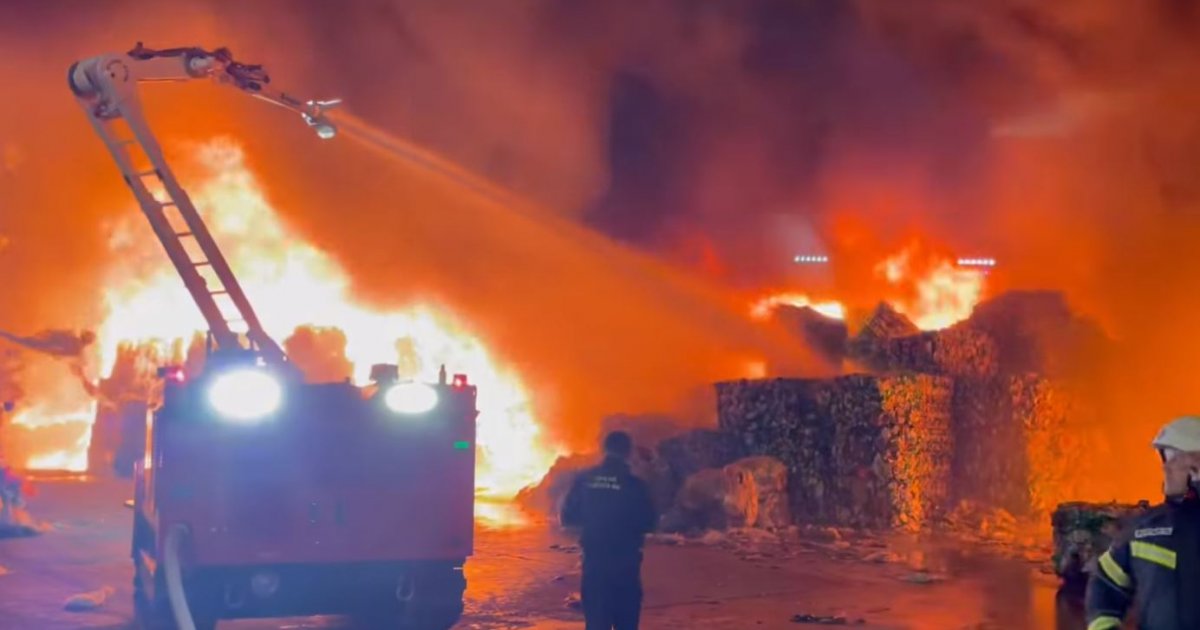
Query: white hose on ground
pixel 175 593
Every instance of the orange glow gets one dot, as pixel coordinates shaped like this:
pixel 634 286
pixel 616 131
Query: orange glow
pixel 829 308
pixel 73 458
pixel 293 284
pixel 939 295
pixel 756 369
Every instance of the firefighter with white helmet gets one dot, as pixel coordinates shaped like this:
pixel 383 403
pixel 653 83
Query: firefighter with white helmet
pixel 1155 566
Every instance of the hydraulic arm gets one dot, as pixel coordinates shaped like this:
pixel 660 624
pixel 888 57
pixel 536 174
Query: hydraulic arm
pixel 106 87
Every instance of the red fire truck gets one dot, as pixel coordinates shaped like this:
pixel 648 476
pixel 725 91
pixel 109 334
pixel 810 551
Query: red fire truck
pixel 259 494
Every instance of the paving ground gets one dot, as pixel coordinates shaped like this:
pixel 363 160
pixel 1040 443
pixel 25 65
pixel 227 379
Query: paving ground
pixel 522 576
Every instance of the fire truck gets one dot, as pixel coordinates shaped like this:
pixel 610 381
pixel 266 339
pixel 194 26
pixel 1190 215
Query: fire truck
pixel 258 494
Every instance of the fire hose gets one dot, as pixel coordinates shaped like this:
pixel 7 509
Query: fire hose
pixel 176 596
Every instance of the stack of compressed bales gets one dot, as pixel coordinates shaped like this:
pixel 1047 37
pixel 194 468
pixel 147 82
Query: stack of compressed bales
pixel 1057 445
pixel 826 335
pixel 862 451
pixel 891 450
pixel 989 464
pixel 885 322
pixel 1022 443
pixel 888 343
pixel 770 483
pixel 686 454
pixel 869 346
pixel 751 492
pixel 715 498
pixel 787 419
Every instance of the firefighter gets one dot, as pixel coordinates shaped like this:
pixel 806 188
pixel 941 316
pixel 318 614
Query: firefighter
pixel 10 496
pixel 1154 567
pixel 613 509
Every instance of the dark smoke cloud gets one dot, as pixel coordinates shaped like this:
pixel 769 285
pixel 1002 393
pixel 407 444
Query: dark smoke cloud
pixel 1060 137
pixel 58 343
pixel 590 327
pixel 319 353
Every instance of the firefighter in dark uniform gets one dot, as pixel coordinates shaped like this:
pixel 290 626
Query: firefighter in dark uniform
pixel 1154 567
pixel 613 509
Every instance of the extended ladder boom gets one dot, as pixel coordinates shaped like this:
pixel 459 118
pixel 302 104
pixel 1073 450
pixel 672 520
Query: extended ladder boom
pixel 106 87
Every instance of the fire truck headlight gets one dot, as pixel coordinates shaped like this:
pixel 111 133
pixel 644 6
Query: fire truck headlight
pixel 411 398
pixel 245 395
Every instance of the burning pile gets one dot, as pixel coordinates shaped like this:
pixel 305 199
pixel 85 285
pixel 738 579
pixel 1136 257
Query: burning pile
pixel 300 294
pixel 980 410
pixel 861 450
pixel 983 410
pixel 888 343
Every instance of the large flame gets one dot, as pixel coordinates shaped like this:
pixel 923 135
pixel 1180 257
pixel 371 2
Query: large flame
pixel 67 428
pixel 763 308
pixel 940 293
pixel 934 291
pixel 293 284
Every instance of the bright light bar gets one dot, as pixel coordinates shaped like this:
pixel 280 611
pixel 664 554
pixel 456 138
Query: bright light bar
pixel 976 262
pixel 810 259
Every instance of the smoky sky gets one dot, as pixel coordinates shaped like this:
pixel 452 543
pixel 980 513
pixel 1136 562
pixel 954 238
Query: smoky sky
pixel 798 86
pixel 1061 137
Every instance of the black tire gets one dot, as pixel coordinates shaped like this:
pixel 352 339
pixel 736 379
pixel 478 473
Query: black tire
pixel 156 614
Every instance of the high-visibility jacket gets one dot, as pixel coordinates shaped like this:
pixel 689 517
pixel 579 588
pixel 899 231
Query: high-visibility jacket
pixel 1153 568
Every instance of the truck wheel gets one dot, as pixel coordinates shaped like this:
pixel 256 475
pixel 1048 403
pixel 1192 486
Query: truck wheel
pixel 156 614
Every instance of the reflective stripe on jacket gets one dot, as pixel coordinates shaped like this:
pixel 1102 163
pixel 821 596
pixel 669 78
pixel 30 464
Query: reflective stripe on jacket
pixel 1154 568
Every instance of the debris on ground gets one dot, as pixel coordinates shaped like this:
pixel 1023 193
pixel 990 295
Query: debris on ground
pixel 17 523
pixel 770 481
pixel 669 540
pixel 88 601
pixel 718 499
pixel 883 557
pixel 921 577
pixel 826 620
pixel 573 601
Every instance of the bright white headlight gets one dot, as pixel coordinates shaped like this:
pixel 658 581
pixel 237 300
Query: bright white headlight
pixel 245 394
pixel 411 398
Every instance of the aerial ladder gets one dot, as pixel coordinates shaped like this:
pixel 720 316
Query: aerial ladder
pixel 348 532
pixel 106 88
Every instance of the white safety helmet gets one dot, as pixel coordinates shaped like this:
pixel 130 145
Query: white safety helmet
pixel 1181 434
